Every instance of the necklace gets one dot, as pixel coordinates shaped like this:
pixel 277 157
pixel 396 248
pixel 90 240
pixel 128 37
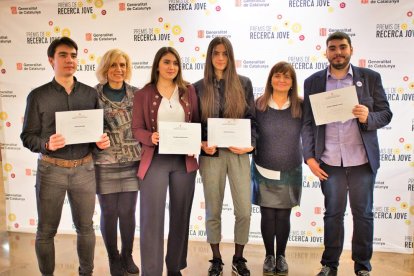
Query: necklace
pixel 168 90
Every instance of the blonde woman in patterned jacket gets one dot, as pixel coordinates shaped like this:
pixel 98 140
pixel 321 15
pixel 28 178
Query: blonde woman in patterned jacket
pixel 117 183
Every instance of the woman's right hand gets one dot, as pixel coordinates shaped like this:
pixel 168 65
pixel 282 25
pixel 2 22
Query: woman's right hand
pixel 209 150
pixel 155 138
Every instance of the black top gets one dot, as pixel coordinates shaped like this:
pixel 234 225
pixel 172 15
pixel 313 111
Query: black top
pixel 279 145
pixel 39 118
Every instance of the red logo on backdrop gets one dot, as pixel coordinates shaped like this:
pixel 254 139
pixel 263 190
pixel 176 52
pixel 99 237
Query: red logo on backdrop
pixel 88 36
pixel 238 63
pixel 318 210
pixel 28 172
pixel 13 10
pixel 19 66
pixel 121 6
pixel 362 62
pixel 322 31
pixel 364 1
pixel 238 3
pixel 202 205
pixel 32 222
pixel 200 33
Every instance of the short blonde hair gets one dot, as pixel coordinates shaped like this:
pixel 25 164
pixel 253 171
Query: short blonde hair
pixel 107 60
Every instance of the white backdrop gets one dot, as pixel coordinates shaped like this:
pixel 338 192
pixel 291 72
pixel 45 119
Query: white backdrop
pixel 263 32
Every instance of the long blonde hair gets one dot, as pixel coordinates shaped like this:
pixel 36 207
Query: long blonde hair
pixel 295 101
pixel 234 95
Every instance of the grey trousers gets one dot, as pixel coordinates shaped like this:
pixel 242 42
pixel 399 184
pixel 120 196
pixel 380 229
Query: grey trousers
pixel 213 171
pixel 167 172
pixel 52 184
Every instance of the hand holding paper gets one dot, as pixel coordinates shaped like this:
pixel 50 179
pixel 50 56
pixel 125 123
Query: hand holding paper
pixel 333 106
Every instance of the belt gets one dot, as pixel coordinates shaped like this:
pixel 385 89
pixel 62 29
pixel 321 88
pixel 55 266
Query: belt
pixel 66 163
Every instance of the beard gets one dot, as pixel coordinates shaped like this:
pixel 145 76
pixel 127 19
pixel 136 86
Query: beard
pixel 342 65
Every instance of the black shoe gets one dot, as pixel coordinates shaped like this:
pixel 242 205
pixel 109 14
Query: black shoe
pixel 327 271
pixel 363 273
pixel 115 266
pixel 281 265
pixel 269 265
pixel 129 265
pixel 216 267
pixel 239 266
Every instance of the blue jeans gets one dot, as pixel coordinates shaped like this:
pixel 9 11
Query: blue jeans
pixel 52 184
pixel 358 182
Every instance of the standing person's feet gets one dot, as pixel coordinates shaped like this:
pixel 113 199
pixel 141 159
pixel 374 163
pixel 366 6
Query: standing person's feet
pixel 281 265
pixel 129 264
pixel 239 266
pixel 216 267
pixel 269 265
pixel 115 266
pixel 363 273
pixel 327 271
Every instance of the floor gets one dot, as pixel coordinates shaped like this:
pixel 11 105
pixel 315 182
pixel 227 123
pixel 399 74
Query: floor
pixel 17 257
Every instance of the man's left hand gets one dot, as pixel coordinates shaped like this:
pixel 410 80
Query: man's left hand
pixel 361 112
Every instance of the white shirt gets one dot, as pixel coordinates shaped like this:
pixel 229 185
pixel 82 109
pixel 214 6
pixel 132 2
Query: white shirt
pixel 170 110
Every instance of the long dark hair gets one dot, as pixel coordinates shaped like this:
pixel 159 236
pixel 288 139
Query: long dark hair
pixel 234 95
pixel 181 83
pixel 295 101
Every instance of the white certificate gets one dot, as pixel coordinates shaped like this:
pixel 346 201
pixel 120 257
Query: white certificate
pixel 334 106
pixel 225 133
pixel 179 138
pixel 80 126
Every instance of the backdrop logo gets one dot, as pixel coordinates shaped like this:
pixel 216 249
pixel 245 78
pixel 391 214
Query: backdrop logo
pixel 4 40
pixel 191 63
pixel 200 34
pixel 210 34
pixel 364 1
pixel 134 6
pixel 81 8
pixel 309 3
pixel 46 37
pixel 267 33
pixel 88 36
pixel 87 61
pixel 397 154
pixel 380 64
pixel 165 32
pixel 395 30
pixel 306 63
pixel 23 66
pixel 186 5
pixel 322 31
pixel 362 62
pixel 7 94
pixel 100 37
pixel 25 10
pixel 252 3
pixel 401 93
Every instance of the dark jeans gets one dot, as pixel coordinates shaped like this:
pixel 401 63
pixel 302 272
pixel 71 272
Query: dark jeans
pixel 358 182
pixel 166 173
pixel 52 184
pixel 114 207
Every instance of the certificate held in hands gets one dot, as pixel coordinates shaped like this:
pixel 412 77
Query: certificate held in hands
pixel 225 133
pixel 179 138
pixel 80 126
pixel 334 105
